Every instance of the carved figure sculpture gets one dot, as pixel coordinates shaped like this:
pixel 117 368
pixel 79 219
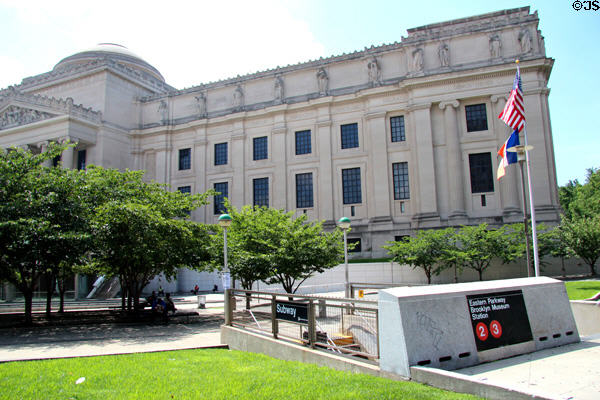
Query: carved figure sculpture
pixel 238 98
pixel 278 89
pixel 374 72
pixel 417 60
pixel 444 53
pixel 525 41
pixel 163 111
pixel 201 104
pixel 322 81
pixel 495 46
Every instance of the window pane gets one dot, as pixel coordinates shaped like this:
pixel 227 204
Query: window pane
pixel 476 118
pixel 261 191
pixel 304 190
pixel 220 153
pixel 303 145
pixel 397 128
pixel 349 136
pixel 185 189
pixel 480 166
pixel 401 188
pixel 81 156
pixel 219 200
pixel 185 159
pixel 260 148
pixel 357 245
pixel 351 185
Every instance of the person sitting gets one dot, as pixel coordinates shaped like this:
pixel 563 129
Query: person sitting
pixel 215 288
pixel 169 305
pixel 195 290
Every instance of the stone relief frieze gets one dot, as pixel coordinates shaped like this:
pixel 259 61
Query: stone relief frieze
pixel 15 116
pixel 525 41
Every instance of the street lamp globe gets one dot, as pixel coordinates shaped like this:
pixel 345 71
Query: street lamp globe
pixel 344 223
pixel 225 220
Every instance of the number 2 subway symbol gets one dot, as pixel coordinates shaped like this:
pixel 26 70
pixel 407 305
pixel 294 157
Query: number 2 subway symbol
pixel 482 331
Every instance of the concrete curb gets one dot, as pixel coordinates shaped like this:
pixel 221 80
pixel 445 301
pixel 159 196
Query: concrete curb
pixel 456 382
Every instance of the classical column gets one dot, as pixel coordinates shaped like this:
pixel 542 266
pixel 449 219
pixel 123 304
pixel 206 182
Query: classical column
pixel 509 184
pixel 200 157
pixel 67 155
pixel 43 148
pixel 454 158
pixel 237 157
pixel 426 205
pixel 378 194
pixel 279 185
pixel 326 178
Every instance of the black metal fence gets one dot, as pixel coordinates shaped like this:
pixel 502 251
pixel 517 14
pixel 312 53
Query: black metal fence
pixel 344 326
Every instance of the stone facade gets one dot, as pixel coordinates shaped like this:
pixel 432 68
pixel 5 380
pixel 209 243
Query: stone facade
pixel 121 112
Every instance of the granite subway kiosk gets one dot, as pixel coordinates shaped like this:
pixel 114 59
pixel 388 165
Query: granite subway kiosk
pixel 459 325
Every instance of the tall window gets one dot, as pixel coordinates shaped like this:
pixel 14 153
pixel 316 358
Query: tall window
pixel 304 190
pixel 185 189
pixel 476 118
pixel 260 149
pixel 303 142
pixel 349 136
pixel 401 189
pixel 81 156
pixel 357 245
pixel 397 129
pixel 220 153
pixel 261 191
pixel 222 189
pixel 185 159
pixel 351 185
pixel 480 165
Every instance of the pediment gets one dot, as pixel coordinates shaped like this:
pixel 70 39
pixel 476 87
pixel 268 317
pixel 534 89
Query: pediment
pixel 13 116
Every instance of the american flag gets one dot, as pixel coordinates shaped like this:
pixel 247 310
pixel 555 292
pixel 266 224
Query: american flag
pixel 513 114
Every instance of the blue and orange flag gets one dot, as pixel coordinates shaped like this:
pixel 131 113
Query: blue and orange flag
pixel 508 157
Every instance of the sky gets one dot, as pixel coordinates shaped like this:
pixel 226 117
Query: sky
pixel 195 42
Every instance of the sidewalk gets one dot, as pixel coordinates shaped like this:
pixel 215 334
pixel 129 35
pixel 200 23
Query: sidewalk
pixel 38 343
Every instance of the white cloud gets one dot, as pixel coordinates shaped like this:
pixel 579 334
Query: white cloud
pixel 189 42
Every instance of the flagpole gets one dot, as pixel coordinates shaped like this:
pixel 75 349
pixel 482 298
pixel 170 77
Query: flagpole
pixel 536 258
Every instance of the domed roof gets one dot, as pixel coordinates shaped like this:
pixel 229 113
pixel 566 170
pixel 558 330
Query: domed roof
pixel 116 52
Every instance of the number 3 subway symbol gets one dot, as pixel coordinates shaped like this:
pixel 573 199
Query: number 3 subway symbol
pixel 496 329
pixel 482 331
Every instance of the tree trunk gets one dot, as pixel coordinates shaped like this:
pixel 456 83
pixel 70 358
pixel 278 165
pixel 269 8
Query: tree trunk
pixel 28 294
pixel 564 271
pixel 428 273
pixel 62 288
pixel 50 282
pixel 480 274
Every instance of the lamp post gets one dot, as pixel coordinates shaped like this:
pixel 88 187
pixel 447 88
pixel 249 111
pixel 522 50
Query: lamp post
pixel 521 158
pixel 225 222
pixel 344 224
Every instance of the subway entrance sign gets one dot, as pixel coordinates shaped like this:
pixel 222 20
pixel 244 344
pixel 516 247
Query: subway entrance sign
pixel 292 311
pixel 499 319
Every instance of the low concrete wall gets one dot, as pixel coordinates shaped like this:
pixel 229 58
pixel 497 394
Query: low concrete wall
pixel 244 340
pixel 587 316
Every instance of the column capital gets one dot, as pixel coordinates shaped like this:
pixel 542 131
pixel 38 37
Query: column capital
pixel 43 144
pixel 375 114
pixel 497 97
pixel 453 103
pixel 421 106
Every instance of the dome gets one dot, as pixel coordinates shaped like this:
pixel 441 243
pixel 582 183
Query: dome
pixel 116 52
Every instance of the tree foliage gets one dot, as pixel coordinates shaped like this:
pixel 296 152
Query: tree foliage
pixel 431 250
pixel 271 245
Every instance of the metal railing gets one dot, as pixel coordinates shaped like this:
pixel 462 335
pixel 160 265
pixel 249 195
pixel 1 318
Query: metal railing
pixel 344 326
pixel 373 288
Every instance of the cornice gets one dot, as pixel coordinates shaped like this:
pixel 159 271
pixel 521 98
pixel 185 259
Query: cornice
pixel 375 115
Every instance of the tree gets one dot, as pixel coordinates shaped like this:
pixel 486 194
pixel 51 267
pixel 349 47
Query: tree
pixel 39 224
pixel 478 246
pixel 144 230
pixel 426 251
pixel 582 237
pixel 271 245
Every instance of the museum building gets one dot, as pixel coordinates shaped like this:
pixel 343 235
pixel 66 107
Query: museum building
pixel 395 137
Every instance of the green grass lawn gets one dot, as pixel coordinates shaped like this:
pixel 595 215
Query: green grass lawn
pixel 197 374
pixel 579 290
